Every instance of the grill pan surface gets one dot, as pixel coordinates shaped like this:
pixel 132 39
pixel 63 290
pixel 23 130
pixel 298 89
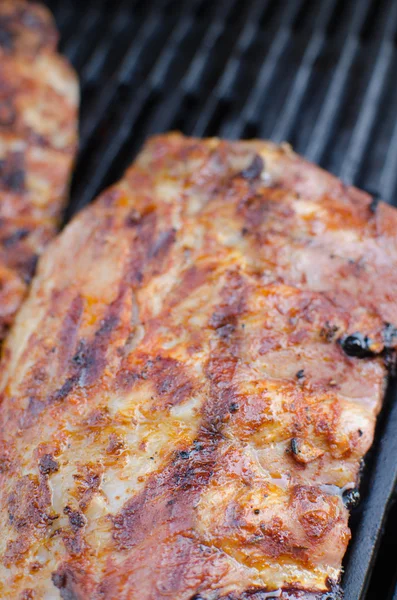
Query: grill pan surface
pixel 320 75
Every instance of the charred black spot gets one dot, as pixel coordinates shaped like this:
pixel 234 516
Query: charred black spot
pixel 80 358
pixel 351 498
pixel 300 374
pixel 47 464
pixel 254 170
pixel 76 518
pixel 294 446
pixel 328 331
pixel 17 236
pixel 357 345
pixel 234 407
pixel 184 454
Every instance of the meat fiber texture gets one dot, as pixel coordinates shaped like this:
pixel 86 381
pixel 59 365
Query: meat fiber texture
pixel 38 138
pixel 191 386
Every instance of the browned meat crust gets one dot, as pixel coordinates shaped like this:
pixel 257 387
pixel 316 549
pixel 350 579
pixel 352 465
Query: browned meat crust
pixel 38 120
pixel 191 386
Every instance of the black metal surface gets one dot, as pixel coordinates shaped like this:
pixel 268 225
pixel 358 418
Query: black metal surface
pixel 320 75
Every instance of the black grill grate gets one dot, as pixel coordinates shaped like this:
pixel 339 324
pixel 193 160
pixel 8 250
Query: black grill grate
pixel 318 74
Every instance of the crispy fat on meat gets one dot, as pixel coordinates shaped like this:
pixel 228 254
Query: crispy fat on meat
pixel 191 386
pixel 38 121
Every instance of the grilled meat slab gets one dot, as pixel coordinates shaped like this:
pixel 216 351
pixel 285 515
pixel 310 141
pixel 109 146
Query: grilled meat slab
pixel 38 120
pixel 191 386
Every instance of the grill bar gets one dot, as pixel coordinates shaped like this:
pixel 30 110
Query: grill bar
pixel 326 120
pixel 253 104
pixel 294 101
pixel 389 175
pixel 317 74
pixel 365 121
pixel 163 122
pixel 125 71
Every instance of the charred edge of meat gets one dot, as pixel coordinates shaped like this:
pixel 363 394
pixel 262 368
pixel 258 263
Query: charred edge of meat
pixel 357 345
pixel 254 170
pixel 351 498
pixel 361 346
pixel 373 205
pixel 291 592
pixel 390 362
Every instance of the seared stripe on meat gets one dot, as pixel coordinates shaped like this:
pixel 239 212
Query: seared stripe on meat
pixel 194 380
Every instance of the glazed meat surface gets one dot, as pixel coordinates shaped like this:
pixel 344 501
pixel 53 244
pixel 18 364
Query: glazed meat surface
pixel 191 386
pixel 38 120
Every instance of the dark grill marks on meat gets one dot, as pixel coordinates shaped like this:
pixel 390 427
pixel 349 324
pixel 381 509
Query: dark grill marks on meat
pixel 29 511
pixel 171 496
pixel 201 411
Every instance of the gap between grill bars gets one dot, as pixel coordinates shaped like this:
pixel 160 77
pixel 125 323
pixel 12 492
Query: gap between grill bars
pixel 317 74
